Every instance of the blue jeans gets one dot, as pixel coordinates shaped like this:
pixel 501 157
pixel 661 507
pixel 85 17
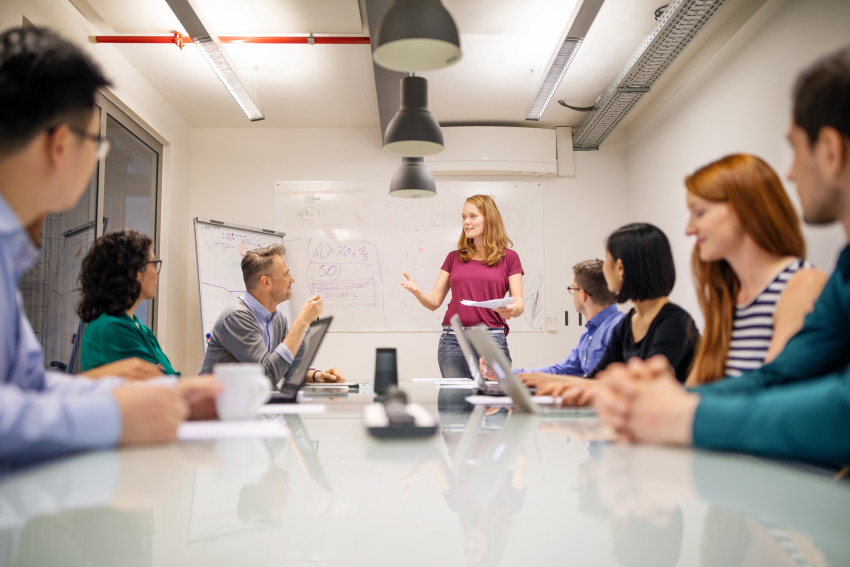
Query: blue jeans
pixel 450 357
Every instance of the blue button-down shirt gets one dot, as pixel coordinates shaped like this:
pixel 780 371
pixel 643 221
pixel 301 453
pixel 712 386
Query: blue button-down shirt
pixel 265 319
pixel 592 344
pixel 41 413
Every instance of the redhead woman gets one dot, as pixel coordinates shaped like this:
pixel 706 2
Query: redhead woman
pixel 752 281
pixel 482 268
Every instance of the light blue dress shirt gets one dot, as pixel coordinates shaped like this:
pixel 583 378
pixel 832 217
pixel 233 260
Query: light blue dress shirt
pixel 41 413
pixel 594 340
pixel 266 321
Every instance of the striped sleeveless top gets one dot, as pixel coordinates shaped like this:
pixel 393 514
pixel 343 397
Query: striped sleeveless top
pixel 752 329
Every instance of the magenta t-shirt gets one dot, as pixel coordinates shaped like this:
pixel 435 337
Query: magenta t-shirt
pixel 477 282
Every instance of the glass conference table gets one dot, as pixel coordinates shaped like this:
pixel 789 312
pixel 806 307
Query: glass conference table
pixel 492 488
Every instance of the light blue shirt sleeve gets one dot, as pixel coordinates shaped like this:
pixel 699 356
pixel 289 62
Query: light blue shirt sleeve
pixel 41 414
pixel 590 348
pixel 64 417
pixel 570 366
pixel 284 352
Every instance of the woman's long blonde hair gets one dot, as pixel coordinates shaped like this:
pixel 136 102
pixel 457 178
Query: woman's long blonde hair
pixel 755 194
pixel 495 237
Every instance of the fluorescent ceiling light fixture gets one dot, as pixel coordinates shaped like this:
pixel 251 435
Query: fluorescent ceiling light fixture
pixel 221 65
pixel 210 48
pixel 417 35
pixel 563 58
pixel 413 180
pixel 553 77
pixel 413 131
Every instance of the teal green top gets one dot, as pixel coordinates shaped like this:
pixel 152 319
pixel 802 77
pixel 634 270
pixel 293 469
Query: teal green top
pixel 109 338
pixel 798 406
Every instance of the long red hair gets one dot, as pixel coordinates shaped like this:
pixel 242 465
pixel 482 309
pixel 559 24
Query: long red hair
pixel 495 237
pixel 754 192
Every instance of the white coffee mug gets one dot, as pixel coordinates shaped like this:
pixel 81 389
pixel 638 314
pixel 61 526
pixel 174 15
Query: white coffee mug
pixel 245 387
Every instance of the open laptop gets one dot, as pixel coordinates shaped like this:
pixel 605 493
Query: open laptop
pixel 485 387
pixel 513 386
pixel 287 390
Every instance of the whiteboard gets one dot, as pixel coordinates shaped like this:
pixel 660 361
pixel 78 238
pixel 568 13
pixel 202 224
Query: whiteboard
pixel 51 291
pixel 219 249
pixel 350 243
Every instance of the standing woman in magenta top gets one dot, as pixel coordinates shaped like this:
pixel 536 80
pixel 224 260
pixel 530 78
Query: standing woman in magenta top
pixel 482 268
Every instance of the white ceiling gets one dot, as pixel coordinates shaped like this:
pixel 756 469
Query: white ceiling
pixel 506 46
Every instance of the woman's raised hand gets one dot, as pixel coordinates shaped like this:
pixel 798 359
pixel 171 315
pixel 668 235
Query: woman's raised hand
pixel 410 285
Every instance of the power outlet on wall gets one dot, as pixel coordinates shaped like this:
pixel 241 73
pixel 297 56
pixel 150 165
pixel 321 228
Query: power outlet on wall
pixel 552 324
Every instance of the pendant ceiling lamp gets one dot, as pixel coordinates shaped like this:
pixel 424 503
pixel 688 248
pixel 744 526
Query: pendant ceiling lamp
pixel 417 35
pixel 413 180
pixel 413 131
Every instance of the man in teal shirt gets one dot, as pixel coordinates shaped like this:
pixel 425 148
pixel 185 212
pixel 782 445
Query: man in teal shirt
pixel 798 406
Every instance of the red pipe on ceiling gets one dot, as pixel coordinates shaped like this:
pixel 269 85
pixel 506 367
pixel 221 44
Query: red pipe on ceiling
pixel 177 38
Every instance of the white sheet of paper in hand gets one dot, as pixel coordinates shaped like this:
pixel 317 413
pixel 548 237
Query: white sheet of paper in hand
pixel 491 304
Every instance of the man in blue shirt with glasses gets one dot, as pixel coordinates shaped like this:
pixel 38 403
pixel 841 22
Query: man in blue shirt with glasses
pixel 593 300
pixel 49 145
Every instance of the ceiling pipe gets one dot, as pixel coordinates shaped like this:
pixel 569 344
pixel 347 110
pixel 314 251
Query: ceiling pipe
pixel 681 21
pixel 176 38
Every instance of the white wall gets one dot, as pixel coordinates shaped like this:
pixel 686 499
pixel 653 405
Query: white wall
pixel 739 101
pixel 233 176
pixel 135 95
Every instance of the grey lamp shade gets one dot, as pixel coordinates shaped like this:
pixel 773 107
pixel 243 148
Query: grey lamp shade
pixel 413 180
pixel 417 35
pixel 413 131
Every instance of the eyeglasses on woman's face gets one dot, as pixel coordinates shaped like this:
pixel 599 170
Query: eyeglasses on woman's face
pixel 157 265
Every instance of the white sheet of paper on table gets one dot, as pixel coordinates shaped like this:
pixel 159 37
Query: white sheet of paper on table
pixel 459 383
pixel 248 429
pixel 500 401
pixel 496 401
pixel 279 409
pixel 490 304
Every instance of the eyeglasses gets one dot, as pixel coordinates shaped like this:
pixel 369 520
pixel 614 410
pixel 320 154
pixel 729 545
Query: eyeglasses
pixel 103 144
pixel 157 265
pixel 573 289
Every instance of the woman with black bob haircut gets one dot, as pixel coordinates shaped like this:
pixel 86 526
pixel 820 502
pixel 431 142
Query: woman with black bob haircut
pixel 118 273
pixel 638 267
pixel 640 256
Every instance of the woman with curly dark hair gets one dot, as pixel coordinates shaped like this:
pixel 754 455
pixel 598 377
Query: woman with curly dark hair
pixel 119 272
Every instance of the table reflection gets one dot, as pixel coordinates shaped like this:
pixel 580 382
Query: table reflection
pixel 493 488
pixel 758 513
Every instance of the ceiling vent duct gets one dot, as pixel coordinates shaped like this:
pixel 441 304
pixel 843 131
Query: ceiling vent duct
pixel 680 23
